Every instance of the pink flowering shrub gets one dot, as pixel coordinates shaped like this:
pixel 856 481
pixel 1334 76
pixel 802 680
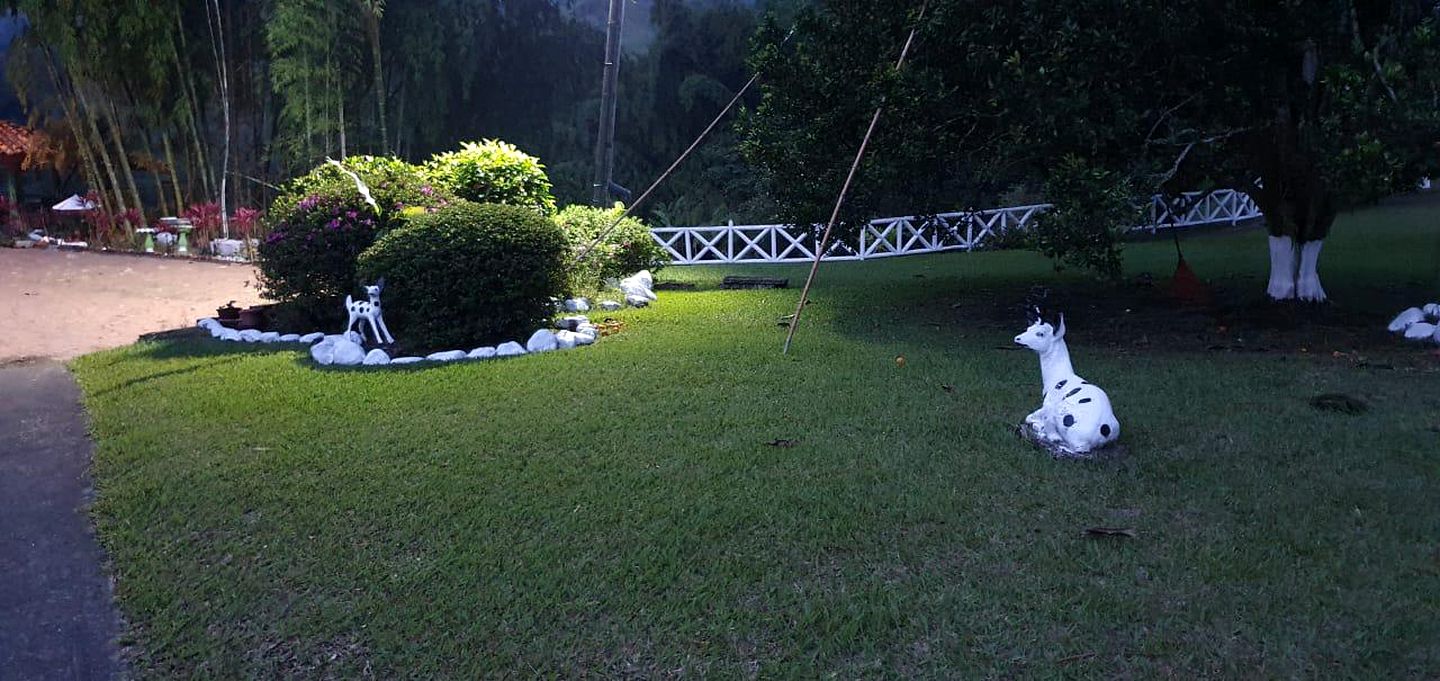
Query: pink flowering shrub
pixel 321 223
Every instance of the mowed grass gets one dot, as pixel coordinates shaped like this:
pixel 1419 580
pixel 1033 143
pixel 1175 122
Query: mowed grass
pixel 616 511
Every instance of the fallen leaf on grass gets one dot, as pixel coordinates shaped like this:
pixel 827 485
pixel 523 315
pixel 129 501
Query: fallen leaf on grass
pixel 947 388
pixel 1110 532
pixel 900 361
pixel 781 442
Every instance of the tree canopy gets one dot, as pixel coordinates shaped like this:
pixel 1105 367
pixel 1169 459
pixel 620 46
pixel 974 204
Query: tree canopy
pixel 1329 103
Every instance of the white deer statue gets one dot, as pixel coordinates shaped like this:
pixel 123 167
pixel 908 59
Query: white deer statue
pixel 369 312
pixel 1076 417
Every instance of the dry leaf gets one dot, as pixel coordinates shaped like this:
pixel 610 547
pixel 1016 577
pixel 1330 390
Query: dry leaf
pixel 900 361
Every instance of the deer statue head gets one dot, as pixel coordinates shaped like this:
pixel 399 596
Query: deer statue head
pixel 1041 336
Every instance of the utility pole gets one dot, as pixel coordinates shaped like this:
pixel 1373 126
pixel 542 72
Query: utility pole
pixel 605 144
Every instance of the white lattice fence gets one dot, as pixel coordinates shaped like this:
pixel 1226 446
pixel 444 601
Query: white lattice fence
pixel 911 235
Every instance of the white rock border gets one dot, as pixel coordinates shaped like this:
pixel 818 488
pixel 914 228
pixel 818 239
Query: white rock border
pixel 348 350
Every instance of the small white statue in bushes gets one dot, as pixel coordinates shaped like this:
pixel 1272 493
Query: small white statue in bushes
pixel 368 312
pixel 639 289
pixel 1076 417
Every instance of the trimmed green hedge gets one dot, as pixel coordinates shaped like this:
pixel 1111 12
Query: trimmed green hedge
pixel 469 274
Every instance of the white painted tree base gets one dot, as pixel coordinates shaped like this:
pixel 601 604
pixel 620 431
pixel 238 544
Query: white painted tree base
pixel 1282 268
pixel 1307 284
pixel 1294 273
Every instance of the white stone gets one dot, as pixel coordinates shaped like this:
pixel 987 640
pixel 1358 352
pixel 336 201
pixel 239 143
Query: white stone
pixel 576 305
pixel 586 338
pixel 229 335
pixel 1421 331
pixel 207 322
pixel 446 356
pixel 509 349
pixel 486 352
pixel 348 354
pixel 1432 311
pixel 638 286
pixel 541 341
pixel 250 335
pixel 407 360
pixel 637 301
pixel 572 323
pixel 565 340
pixel 289 338
pixel 376 357
pixel 227 248
pixel 609 305
pixel 312 337
pixel 337 351
pixel 217 331
pixel 1405 319
pixel 323 352
pixel 269 337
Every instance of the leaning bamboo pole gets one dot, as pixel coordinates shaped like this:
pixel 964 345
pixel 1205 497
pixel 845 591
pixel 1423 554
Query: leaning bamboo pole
pixel 844 190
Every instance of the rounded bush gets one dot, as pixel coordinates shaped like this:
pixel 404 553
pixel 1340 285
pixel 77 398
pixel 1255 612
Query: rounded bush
pixel 625 250
pixel 468 274
pixel 321 222
pixel 493 172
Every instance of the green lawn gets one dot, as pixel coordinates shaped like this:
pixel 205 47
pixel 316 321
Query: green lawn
pixel 615 511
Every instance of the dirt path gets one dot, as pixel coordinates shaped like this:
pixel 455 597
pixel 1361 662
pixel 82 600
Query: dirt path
pixel 57 612
pixel 64 304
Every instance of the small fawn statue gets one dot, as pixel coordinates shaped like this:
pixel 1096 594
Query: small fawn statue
pixel 369 312
pixel 1076 417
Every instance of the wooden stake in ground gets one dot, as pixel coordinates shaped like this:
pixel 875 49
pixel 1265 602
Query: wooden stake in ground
pixel 844 190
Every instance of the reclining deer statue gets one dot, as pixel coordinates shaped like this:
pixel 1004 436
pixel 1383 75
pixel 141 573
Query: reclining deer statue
pixel 1075 418
pixel 362 312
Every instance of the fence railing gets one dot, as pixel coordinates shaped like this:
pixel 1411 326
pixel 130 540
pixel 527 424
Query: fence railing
pixel 889 237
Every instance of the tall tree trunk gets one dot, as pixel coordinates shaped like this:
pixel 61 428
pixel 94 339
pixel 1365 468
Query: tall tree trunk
pixel 217 45
pixel 340 107
pixel 117 137
pixel 116 194
pixel 192 105
pixel 374 25
pixel 402 139
pixel 174 173
pixel 77 130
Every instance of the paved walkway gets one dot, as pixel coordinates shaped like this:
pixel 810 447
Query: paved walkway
pixel 57 614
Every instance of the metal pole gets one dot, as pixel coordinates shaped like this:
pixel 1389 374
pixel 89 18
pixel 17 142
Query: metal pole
pixel 605 143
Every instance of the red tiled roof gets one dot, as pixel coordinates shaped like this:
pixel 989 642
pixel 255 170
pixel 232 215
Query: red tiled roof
pixel 14 139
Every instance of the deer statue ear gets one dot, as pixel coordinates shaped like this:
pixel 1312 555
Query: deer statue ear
pixel 380 284
pixel 1060 330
